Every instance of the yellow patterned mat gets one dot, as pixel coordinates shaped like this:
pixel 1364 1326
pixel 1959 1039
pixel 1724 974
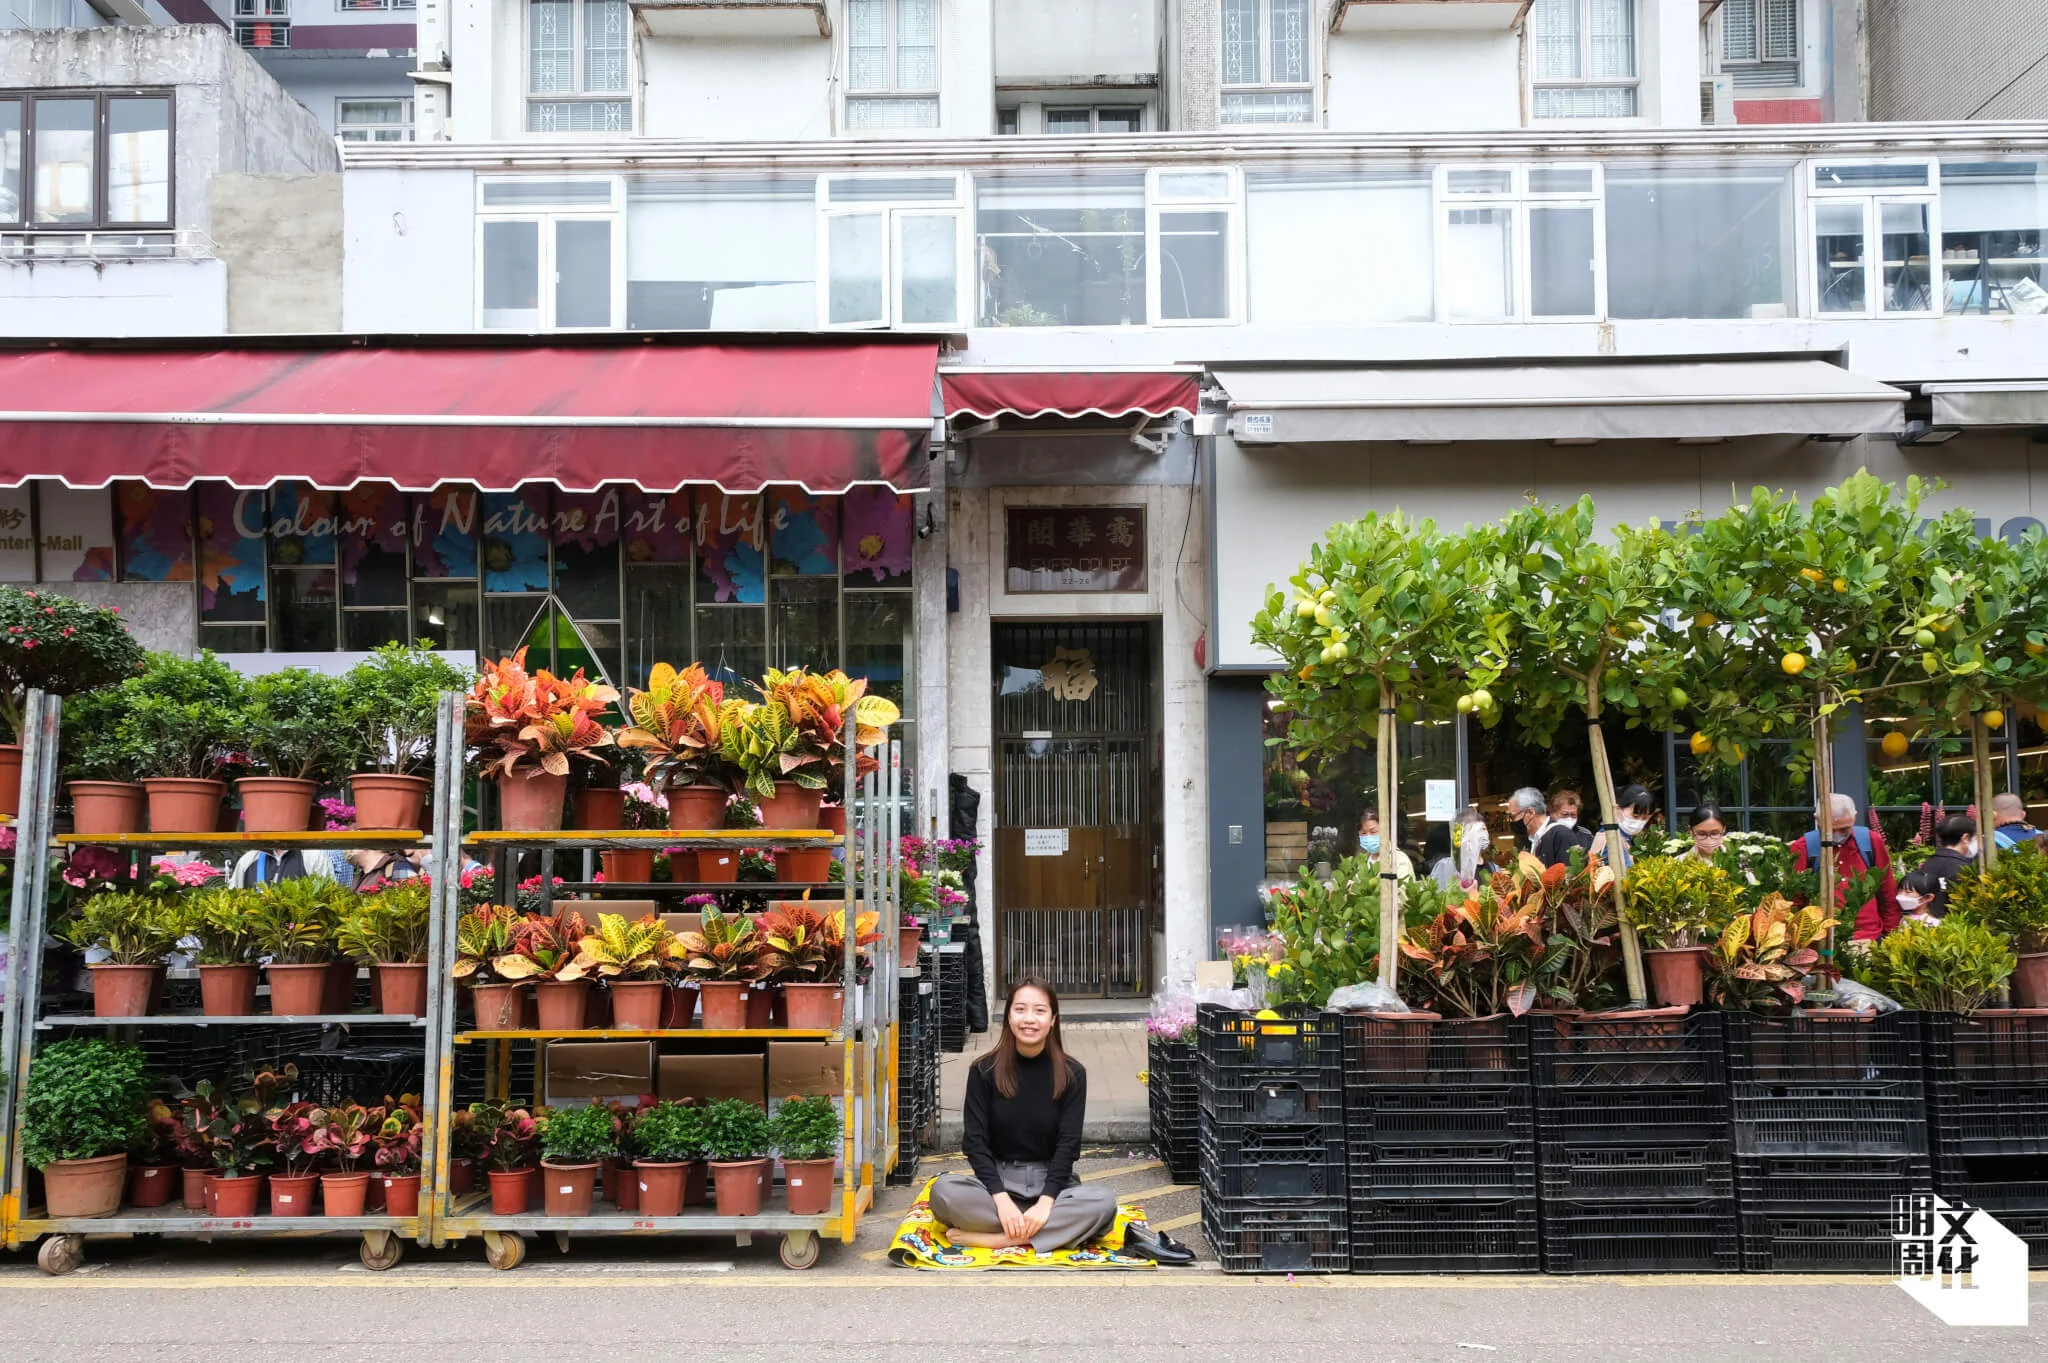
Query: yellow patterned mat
pixel 921 1243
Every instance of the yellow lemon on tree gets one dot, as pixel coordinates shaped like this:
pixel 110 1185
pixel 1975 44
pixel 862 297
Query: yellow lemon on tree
pixel 1304 608
pixel 1323 616
pixel 1994 719
pixel 1894 744
pixel 1793 663
pixel 1738 750
pixel 1705 620
pixel 2037 649
pixel 1701 744
pixel 1841 584
pixel 1466 705
pixel 1811 574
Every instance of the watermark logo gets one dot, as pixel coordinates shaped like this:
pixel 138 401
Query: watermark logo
pixel 1958 1262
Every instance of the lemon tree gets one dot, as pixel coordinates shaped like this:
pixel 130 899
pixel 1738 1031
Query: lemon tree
pixel 1385 611
pixel 1587 643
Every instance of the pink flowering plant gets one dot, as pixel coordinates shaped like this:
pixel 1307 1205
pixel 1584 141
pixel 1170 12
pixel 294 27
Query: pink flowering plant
pixel 53 644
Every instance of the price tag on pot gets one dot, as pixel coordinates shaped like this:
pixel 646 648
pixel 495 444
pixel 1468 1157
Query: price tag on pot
pixel 567 1190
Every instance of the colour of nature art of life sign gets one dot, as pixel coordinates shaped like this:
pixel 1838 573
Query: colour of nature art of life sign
pixel 1074 548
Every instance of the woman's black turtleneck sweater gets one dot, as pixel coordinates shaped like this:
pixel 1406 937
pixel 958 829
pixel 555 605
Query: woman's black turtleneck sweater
pixel 1031 1128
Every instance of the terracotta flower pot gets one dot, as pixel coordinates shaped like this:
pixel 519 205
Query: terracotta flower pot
pixel 276 804
pixel 297 990
pixel 401 1194
pixel 1395 1046
pixel 150 1185
pixel 338 994
pixel 386 802
pixel 1678 975
pixel 720 867
pixel 461 1176
pixel 813 1007
pixel 499 1007
pixel 622 1185
pixel 373 1194
pixel 179 804
pixel 122 991
pixel 107 808
pixel 192 1189
pixel 2030 981
pixel 808 866
pixel 832 818
pixel 660 1187
pixel 598 809
pixel 84 1187
pixel 697 808
pixel 627 867
pixel 227 991
pixel 679 1008
pixel 511 1192
pixel 761 1005
pixel 738 1186
pixel 791 807
pixel 292 1194
pixel 908 935
pixel 566 1189
pixel 10 779
pixel 532 803
pixel 404 986
pixel 561 1004
pixel 725 1004
pixel 637 1003
pixel 807 1186
pixel 235 1197
pixel 344 1194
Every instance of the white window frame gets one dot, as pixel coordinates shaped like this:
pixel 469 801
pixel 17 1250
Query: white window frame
pixel 1522 202
pixel 1873 199
pixel 341 130
pixel 1094 112
pixel 894 92
pixel 1231 204
pixel 546 216
pixel 528 97
pixel 1758 56
pixel 1585 82
pixel 960 208
pixel 1310 85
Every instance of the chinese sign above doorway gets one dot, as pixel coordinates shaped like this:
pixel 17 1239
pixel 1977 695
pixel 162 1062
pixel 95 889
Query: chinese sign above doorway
pixel 1075 549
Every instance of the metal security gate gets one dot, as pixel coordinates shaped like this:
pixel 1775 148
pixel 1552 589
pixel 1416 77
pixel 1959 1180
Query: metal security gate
pixel 1076 835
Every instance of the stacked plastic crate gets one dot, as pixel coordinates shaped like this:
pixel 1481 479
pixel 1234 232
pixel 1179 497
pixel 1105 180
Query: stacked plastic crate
pixel 1830 1125
pixel 1632 1141
pixel 1987 1094
pixel 1439 1126
pixel 951 963
pixel 1174 1098
pixel 917 1072
pixel 1272 1133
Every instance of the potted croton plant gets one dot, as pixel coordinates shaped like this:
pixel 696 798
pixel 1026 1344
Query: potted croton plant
pixel 293 923
pixel 667 1142
pixel 386 929
pixel 645 809
pixel 574 1142
pixel 484 937
pixel 543 946
pixel 803 953
pixel 297 1177
pixel 524 728
pixel 1678 905
pixel 292 731
pixel 508 1137
pixel 61 647
pixel 81 1111
pixel 806 1132
pixel 397 1159
pixel 677 726
pixel 343 1135
pixel 136 931
pixel 738 1138
pixel 632 958
pixel 723 957
pixel 239 1138
pixel 182 721
pixel 783 744
pixel 388 712
pixel 217 919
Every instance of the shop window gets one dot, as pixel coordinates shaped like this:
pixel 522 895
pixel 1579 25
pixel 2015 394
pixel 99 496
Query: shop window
pixel 1192 227
pixel 1700 241
pixel 1061 249
pixel 52 533
pixel 550 255
pixel 1584 58
pixel 722 255
pixel 1994 225
pixel 1300 220
pixel 892 64
pixel 1268 62
pixel 78 161
pixel 1873 223
pixel 577 59
pixel 1520 242
pixel 1313 804
pixel 892 250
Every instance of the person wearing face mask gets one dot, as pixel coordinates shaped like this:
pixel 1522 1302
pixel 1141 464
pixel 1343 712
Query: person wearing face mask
pixel 1857 850
pixel 1549 840
pixel 1709 829
pixel 1633 808
pixel 1929 884
pixel 1369 845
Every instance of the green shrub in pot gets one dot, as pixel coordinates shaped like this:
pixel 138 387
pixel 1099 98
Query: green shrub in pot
pixel 579 1135
pixel 669 1133
pixel 806 1129
pixel 182 717
pixel 1954 966
pixel 386 708
pixel 133 928
pixel 2010 898
pixel 735 1129
pixel 293 724
pixel 85 1097
pixel 54 644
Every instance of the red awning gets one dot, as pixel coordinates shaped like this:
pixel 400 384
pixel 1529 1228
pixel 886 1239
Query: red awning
pixel 990 393
pixel 825 416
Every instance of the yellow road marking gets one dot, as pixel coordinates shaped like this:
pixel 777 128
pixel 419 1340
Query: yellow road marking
pixel 1163 1190
pixel 1192 1218
pixel 1094 1174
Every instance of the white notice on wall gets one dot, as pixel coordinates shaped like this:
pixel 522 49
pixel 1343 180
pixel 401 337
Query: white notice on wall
pixel 1045 842
pixel 1439 801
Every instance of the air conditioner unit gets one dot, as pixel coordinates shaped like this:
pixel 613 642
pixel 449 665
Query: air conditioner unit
pixel 1717 100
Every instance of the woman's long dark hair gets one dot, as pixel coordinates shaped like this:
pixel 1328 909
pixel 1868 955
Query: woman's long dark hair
pixel 1002 1061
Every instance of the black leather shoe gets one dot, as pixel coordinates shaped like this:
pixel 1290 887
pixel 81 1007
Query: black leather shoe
pixel 1157 1246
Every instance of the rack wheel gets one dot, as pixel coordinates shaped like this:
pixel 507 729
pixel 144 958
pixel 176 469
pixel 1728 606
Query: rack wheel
pixel 504 1249
pixel 61 1254
pixel 800 1249
pixel 381 1250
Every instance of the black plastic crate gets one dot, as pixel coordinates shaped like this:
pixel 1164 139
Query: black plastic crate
pixel 1405 1115
pixel 1657 1237
pixel 1828 1119
pixel 1999 1048
pixel 1253 1100
pixel 1684 1172
pixel 1997 1183
pixel 1293 1042
pixel 1451 1051
pixel 1817 1240
pixel 1805 1050
pixel 1848 1183
pixel 1428 1235
pixel 361 1074
pixel 1295 1164
pixel 2031 1227
pixel 1173 1098
pixel 1614 1115
pixel 1618 1052
pixel 1258 1238
pixel 1982 1117
pixel 1489 1171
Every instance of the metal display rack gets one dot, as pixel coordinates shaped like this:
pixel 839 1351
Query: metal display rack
pixel 26 1024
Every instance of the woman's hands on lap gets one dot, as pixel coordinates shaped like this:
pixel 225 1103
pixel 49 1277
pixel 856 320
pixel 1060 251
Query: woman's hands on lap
pixel 1035 1219
pixel 1016 1224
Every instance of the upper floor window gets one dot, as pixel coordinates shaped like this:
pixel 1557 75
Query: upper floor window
pixel 1760 42
pixel 1267 63
pixel 1873 225
pixel 577 55
pixel 1115 118
pixel 373 120
pixel 893 250
pixel 73 162
pixel 1585 61
pixel 550 253
pixel 1520 242
pixel 892 64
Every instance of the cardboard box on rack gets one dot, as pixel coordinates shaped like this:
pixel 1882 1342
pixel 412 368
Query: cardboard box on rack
pixel 711 1077
pixel 806 1068
pixel 629 909
pixel 599 1069
pixel 683 922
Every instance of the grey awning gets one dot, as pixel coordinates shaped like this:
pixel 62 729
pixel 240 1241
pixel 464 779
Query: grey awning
pixel 1989 404
pixel 1636 401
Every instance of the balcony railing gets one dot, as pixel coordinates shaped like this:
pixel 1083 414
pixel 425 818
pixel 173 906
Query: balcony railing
pixel 263 33
pixel 183 243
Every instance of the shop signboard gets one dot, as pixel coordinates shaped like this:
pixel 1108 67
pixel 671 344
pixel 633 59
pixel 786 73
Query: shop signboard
pixel 1074 549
